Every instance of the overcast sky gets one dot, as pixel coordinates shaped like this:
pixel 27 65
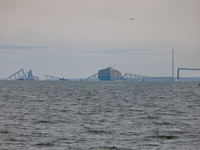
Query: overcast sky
pixel 76 38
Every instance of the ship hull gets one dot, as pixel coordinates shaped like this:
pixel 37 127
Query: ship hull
pixel 109 74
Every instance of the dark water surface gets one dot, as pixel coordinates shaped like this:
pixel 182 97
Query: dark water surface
pixel 61 115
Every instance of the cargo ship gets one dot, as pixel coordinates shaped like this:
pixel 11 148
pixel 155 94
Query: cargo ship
pixel 109 74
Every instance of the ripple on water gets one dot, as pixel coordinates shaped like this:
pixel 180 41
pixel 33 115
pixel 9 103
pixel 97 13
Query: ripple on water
pixel 99 115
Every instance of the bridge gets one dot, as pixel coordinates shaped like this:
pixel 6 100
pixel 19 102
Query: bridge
pixel 93 77
pixel 48 77
pixel 178 71
pixel 136 77
pixel 132 77
pixel 21 75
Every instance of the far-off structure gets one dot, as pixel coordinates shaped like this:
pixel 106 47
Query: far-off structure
pixel 109 74
pixel 21 75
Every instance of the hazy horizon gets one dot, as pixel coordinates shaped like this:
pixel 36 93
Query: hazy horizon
pixel 75 39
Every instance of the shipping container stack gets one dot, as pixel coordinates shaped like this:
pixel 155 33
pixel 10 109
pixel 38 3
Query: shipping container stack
pixel 109 74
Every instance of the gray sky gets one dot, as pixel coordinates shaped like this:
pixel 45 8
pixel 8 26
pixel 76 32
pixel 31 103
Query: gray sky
pixel 76 38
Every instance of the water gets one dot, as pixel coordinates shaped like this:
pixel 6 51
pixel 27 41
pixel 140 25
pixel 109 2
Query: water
pixel 63 115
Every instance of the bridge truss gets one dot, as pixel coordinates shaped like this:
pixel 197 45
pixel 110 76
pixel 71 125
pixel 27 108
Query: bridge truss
pixel 136 77
pixel 51 77
pixel 93 77
pixel 21 75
